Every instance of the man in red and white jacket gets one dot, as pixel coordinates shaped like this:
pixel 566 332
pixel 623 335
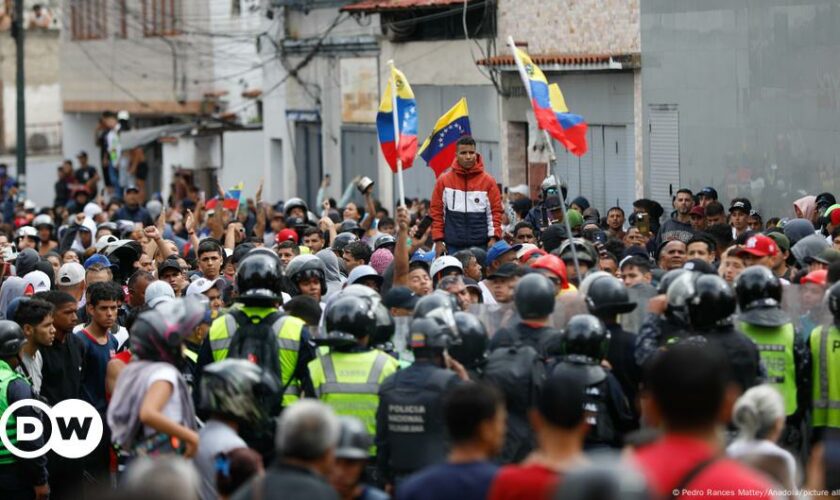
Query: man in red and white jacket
pixel 466 205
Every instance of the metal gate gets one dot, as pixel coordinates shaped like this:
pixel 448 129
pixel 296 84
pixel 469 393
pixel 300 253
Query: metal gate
pixel 359 156
pixel 664 133
pixel 308 160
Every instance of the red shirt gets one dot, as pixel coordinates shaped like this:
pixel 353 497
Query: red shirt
pixel 525 482
pixel 666 462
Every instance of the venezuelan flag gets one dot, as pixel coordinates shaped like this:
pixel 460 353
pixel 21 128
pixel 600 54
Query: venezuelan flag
pixel 439 148
pixel 406 111
pixel 537 87
pixel 574 126
pixel 232 197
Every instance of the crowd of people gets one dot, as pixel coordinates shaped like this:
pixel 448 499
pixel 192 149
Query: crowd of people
pixel 467 346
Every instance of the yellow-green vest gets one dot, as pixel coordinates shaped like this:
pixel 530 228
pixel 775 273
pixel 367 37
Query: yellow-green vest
pixel 775 347
pixel 7 376
pixel 349 382
pixel 825 353
pixel 288 330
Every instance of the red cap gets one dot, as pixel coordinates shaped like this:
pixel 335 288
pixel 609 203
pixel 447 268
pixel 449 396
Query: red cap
pixel 816 277
pixel 530 253
pixel 286 235
pixel 555 266
pixel 698 210
pixel 760 246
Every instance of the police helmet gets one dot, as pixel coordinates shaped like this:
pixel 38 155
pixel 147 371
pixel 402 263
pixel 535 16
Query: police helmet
pixel 342 240
pixel 158 334
pixel 586 339
pixel 351 226
pixel 11 339
pixel 241 390
pixel 350 317
pixel 669 278
pixel 294 203
pixel 354 442
pixel 712 303
pixel 680 291
pixel 607 295
pixel 757 286
pixel 306 267
pixel 426 333
pixel 472 350
pixel 534 296
pixel 258 278
pixel 440 306
pixel 585 250
pixel 385 326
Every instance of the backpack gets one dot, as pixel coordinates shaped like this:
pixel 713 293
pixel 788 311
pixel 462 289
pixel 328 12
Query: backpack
pixel 256 342
pixel 518 371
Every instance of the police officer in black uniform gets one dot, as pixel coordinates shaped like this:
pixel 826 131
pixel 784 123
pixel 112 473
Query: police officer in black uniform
pixel 658 330
pixel 410 433
pixel 534 301
pixel 606 298
pixel 582 346
pixel 471 352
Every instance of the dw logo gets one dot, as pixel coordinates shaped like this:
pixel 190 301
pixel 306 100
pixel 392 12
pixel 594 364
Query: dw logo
pixel 76 428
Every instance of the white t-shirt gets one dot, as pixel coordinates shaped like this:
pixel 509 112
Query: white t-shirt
pixel 172 408
pixel 741 448
pixel 486 294
pixel 33 367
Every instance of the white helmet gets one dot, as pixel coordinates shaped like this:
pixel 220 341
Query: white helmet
pixel 443 262
pixel 43 220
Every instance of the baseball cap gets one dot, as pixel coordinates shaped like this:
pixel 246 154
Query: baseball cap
pixel 520 189
pixel 700 266
pixel 97 258
pixel 826 257
pixel 158 292
pixel 70 274
pixel 421 256
pixel 506 270
pixel 132 187
pixel 81 153
pixel 815 277
pixel 698 210
pixel 781 240
pixel 760 246
pixel 104 241
pixel 575 218
pixel 499 249
pixel 743 205
pixel 832 214
pixel 286 235
pixel 401 297
pixel 201 285
pixel 168 264
pixel 708 192
pixel 527 250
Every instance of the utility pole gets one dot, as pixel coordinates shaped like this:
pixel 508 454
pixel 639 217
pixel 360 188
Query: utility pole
pixel 20 149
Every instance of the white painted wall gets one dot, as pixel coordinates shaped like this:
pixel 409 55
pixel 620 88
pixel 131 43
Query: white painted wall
pixel 278 153
pixel 77 130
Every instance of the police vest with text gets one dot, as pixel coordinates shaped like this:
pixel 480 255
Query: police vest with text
pixel 287 331
pixel 775 347
pixel 825 352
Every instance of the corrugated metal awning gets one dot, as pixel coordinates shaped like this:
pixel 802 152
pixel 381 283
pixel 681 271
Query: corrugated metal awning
pixel 569 62
pixel 387 5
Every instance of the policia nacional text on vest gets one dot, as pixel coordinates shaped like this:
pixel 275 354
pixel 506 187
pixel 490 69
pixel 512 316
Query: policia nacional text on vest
pixel 776 349
pixel 825 355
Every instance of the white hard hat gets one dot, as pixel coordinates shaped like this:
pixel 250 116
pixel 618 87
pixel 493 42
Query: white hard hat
pixel 443 262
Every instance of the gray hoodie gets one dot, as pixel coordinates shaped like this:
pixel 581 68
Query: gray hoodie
pixel 333 275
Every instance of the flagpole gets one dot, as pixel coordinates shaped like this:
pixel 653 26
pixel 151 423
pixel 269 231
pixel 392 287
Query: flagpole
pixel 552 156
pixel 395 114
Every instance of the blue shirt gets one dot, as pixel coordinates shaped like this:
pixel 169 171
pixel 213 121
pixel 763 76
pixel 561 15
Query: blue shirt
pixel 94 366
pixel 469 481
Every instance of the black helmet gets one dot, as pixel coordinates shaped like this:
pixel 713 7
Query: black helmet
pixel 258 278
pixel 385 241
pixel 11 339
pixel 757 286
pixel 472 351
pixel 585 339
pixel 680 291
pixel 668 278
pixel 834 302
pixel 426 333
pixel 385 326
pixel 241 390
pixel 439 306
pixel 158 334
pixel 712 303
pixel 342 240
pixel 351 226
pixel 608 296
pixel 294 203
pixel 534 296
pixel 350 317
pixel 354 442
pixel 585 250
pixel 306 267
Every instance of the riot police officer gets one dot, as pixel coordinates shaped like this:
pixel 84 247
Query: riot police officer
pixel 826 358
pixel 410 433
pixel 782 350
pixel 259 296
pixel 606 298
pixel 665 325
pixel 471 352
pixel 349 376
pixel 534 301
pixel 582 346
pixel 351 454
pixel 306 275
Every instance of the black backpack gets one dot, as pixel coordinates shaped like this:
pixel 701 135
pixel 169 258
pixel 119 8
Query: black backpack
pixel 256 342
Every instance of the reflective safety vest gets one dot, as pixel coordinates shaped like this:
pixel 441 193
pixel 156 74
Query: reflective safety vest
pixel 775 347
pixel 7 376
pixel 825 352
pixel 288 328
pixel 349 382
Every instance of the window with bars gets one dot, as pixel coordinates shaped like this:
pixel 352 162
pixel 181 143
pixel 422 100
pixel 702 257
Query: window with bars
pixel 122 10
pixel 88 19
pixel 161 17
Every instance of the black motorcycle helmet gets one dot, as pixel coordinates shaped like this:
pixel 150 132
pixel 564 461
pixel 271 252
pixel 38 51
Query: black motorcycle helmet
pixel 680 291
pixel 757 286
pixel 834 302
pixel 350 318
pixel 439 306
pixel 585 339
pixel 351 226
pixel 158 334
pixel 258 279
pixel 472 350
pixel 294 203
pixel 426 333
pixel 11 339
pixel 342 240
pixel 534 296
pixel 712 303
pixel 608 296
pixel 241 390
pixel 306 267
pixel 385 326
pixel 668 278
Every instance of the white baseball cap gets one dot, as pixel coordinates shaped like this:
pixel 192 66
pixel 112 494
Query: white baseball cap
pixel 104 241
pixel 201 285
pixel 520 189
pixel 70 274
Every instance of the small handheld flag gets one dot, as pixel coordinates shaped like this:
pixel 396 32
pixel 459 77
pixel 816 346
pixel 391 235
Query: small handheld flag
pixel 574 127
pixel 232 197
pixel 439 148
pixel 396 122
